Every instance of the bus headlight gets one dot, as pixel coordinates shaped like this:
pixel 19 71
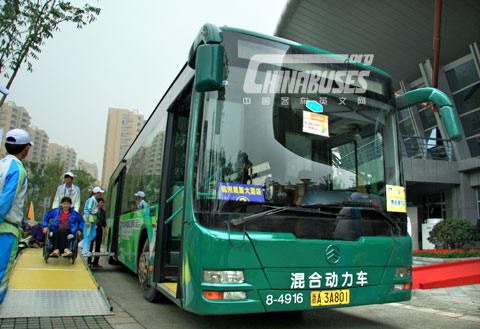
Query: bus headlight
pixel 223 276
pixel 401 286
pixel 403 272
pixel 234 295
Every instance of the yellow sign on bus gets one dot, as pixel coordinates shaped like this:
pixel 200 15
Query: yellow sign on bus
pixel 396 200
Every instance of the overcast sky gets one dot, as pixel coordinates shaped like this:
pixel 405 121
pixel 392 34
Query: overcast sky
pixel 125 59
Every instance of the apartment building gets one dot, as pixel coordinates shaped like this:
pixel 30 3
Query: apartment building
pixel 39 152
pixel 62 155
pixel 122 127
pixel 12 116
pixel 90 168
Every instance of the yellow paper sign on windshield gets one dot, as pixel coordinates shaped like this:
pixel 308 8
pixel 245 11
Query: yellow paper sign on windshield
pixel 315 123
pixel 396 200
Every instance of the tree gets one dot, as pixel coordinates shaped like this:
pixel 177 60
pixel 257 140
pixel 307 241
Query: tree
pixel 34 176
pixel 42 183
pixel 43 180
pixel 26 24
pixel 453 233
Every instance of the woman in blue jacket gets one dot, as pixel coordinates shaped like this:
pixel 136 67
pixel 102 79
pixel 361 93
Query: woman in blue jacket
pixel 65 221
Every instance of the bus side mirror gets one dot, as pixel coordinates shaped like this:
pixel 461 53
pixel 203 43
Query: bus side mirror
pixel 448 113
pixel 209 67
pixel 451 122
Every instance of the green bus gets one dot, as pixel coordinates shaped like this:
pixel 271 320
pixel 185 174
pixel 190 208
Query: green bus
pixel 273 179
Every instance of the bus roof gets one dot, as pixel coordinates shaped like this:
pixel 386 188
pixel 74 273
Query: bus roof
pixel 296 44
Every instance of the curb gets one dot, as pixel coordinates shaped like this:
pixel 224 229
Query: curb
pixel 420 261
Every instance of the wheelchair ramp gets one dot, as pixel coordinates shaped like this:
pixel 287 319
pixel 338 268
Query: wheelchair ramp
pixel 446 274
pixel 59 288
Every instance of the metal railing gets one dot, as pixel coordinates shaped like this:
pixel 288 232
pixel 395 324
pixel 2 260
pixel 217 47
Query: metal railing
pixel 365 153
pixel 426 148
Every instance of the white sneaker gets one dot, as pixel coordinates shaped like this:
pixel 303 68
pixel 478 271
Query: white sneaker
pixel 67 253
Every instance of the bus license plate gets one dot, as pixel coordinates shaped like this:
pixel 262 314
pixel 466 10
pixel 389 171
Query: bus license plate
pixel 330 297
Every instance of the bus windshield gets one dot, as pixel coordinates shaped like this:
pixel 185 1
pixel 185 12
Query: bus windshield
pixel 297 142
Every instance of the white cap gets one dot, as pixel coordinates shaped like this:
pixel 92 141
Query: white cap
pixel 140 194
pixel 68 173
pixel 18 137
pixel 4 90
pixel 97 189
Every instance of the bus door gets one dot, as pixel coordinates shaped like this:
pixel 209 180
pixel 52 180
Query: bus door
pixel 169 231
pixel 115 208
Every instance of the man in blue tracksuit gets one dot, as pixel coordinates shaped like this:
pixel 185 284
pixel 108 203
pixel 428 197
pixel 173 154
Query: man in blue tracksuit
pixel 13 185
pixel 90 214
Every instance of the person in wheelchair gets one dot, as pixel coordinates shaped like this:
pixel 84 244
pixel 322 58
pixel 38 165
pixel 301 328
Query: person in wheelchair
pixel 66 223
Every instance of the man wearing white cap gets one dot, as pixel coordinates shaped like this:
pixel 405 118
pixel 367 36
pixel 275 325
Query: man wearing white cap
pixel 142 204
pixel 68 189
pixel 90 216
pixel 13 186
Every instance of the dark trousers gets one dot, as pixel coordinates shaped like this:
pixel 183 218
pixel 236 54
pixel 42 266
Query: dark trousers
pixel 98 243
pixel 60 239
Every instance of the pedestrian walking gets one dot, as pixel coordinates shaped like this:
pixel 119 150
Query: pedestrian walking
pixel 68 190
pixel 90 216
pixel 13 186
pixel 100 224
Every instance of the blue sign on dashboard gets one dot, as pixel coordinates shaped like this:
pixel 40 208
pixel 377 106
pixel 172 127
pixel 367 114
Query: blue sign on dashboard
pixel 240 192
pixel 314 106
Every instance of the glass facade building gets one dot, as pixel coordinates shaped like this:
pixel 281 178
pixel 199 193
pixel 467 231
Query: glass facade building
pixel 442 177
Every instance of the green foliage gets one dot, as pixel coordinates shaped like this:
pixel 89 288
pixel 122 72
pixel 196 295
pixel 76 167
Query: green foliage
pixel 450 254
pixel 43 181
pixel 25 25
pixel 453 233
pixel 464 254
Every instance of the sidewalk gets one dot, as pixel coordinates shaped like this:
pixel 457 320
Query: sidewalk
pixel 462 302
pixel 121 320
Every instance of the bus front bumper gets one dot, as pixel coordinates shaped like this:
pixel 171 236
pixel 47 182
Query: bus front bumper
pixel 259 301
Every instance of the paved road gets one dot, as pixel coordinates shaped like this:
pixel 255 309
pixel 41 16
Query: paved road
pixel 439 308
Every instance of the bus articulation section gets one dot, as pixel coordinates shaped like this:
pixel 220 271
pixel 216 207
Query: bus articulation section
pixel 274 179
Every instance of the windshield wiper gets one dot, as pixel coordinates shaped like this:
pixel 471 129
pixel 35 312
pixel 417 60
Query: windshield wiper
pixel 277 209
pixel 346 203
pixel 385 214
pixel 238 221
pixel 362 206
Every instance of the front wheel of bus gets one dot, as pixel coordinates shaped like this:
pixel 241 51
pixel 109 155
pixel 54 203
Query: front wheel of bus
pixel 149 292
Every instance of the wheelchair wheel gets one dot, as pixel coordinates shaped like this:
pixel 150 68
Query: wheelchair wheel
pixel 75 250
pixel 46 252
